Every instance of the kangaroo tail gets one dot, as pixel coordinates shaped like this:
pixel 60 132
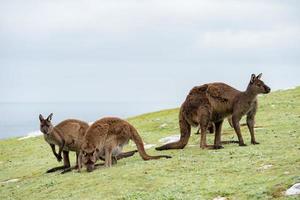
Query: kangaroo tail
pixel 140 146
pixel 126 154
pixel 185 130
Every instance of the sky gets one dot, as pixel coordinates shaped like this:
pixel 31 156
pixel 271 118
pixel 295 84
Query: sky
pixel 143 51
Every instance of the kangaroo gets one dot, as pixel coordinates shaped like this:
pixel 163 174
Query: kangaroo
pixel 68 135
pixel 211 126
pixel 105 135
pixel 210 129
pixel 212 103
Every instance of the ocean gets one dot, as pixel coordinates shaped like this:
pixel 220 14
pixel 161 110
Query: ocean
pixel 21 119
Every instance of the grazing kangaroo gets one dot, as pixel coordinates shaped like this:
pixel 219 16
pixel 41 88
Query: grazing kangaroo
pixel 106 137
pixel 211 126
pixel 210 129
pixel 212 103
pixel 68 135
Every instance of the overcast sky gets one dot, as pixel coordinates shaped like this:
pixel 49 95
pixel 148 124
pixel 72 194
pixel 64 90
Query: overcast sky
pixel 143 50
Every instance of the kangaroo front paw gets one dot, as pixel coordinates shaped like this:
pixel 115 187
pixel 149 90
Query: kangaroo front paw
pixel 59 158
pixel 254 142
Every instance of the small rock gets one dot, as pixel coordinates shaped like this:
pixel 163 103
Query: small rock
pixel 163 125
pixel 294 190
pixel 173 138
pixel 286 173
pixel 10 181
pixel 148 146
pixel 220 198
pixel 265 167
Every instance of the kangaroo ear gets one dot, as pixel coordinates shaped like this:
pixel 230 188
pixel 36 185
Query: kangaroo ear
pixel 41 117
pixel 253 77
pixel 259 76
pixel 49 118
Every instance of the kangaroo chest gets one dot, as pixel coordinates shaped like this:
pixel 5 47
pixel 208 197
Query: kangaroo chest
pixel 247 106
pixel 51 140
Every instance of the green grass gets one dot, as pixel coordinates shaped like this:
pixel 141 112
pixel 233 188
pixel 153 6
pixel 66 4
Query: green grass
pixel 192 173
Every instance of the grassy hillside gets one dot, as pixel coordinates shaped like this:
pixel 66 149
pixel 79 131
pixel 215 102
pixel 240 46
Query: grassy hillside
pixel 253 172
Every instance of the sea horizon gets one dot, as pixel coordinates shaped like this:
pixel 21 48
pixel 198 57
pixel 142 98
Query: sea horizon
pixel 21 118
pixel 26 123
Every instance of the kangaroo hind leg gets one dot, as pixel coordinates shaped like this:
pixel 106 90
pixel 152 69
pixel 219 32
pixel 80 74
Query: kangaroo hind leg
pixel 203 116
pixel 217 143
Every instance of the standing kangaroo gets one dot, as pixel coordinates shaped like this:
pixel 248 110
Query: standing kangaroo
pixel 212 103
pixel 105 137
pixel 68 135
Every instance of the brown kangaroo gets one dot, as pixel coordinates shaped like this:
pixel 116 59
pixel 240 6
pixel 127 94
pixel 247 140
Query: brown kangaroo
pixel 212 103
pixel 106 135
pixel 211 126
pixel 210 129
pixel 68 135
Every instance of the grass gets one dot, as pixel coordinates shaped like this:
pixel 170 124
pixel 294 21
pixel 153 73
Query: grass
pixel 233 172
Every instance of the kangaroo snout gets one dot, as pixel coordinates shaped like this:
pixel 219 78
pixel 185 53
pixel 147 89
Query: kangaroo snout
pixel 89 168
pixel 267 89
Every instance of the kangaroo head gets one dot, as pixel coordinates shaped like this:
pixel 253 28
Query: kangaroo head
pixel 258 86
pixel 46 126
pixel 88 157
